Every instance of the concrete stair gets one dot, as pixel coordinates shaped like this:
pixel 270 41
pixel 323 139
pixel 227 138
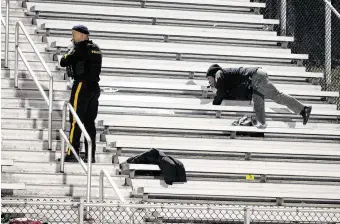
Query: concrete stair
pixel 24 132
pixel 48 156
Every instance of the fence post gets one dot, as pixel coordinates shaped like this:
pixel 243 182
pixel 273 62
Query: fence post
pixel 246 215
pixel 328 46
pixel 81 212
pixel 283 18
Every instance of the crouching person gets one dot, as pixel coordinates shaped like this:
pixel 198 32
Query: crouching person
pixel 252 83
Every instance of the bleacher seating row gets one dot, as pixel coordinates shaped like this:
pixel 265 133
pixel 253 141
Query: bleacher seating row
pixel 215 4
pixel 165 33
pixel 154 16
pixel 188 87
pixel 205 146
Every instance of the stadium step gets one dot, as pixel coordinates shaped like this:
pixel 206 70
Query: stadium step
pixel 75 191
pixel 34 134
pixel 241 7
pixel 40 145
pixel 19 12
pixel 22 94
pixel 57 178
pixel 28 55
pixel 7 73
pixel 22 37
pixel 29 123
pixel 48 156
pixel 26 47
pixel 25 113
pixel 27 21
pixel 54 167
pixel 31 29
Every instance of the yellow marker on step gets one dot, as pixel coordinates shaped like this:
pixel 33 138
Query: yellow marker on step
pixel 250 177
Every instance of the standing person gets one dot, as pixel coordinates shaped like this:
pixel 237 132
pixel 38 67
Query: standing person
pixel 251 83
pixel 83 62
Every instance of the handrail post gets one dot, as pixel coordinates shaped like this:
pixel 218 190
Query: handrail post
pixel 50 109
pixel 246 215
pixel 16 56
pixel 89 173
pixel 101 194
pixel 101 186
pixel 89 154
pixel 89 168
pixel 328 46
pixel 63 149
pixel 7 34
pixel 81 212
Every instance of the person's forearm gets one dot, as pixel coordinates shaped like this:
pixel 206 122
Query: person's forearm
pixel 69 57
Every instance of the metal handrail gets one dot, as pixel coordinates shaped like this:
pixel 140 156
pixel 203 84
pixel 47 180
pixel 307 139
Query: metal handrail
pixel 49 99
pixel 6 24
pixel 87 170
pixel 105 173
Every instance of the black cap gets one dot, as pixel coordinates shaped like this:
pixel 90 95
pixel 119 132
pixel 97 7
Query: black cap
pixel 213 69
pixel 82 29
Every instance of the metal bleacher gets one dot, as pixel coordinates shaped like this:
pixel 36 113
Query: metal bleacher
pixel 156 53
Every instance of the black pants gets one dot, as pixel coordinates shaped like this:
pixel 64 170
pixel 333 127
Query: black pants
pixel 84 99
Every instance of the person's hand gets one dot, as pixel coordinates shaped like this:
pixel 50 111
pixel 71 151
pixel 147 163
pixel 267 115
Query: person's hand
pixel 212 89
pixel 69 50
pixel 69 83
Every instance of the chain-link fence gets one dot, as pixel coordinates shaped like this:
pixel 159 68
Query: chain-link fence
pixel 48 212
pixel 42 212
pixel 315 29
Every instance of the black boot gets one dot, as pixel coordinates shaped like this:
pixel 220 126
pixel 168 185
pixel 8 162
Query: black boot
pixel 93 160
pixel 305 113
pixel 70 159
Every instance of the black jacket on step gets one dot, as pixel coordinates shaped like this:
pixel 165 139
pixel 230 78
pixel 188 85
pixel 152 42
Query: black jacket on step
pixel 172 169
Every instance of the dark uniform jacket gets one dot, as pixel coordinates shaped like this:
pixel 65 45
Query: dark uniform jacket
pixel 172 169
pixel 235 84
pixel 83 62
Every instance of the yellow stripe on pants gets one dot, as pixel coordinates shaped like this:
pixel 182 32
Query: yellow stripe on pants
pixel 75 104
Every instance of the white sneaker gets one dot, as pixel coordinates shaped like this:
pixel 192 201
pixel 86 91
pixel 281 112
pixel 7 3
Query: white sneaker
pixel 261 126
pixel 257 124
